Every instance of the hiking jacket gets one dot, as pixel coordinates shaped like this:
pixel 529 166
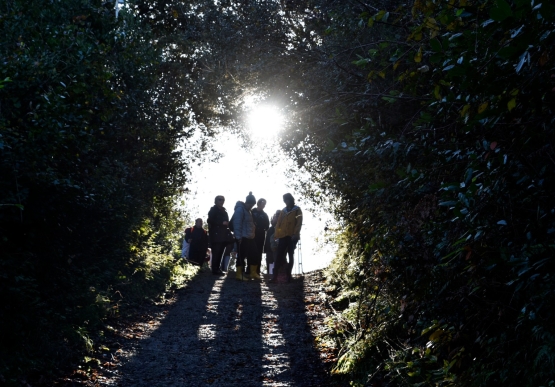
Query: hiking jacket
pixel 243 223
pixel 217 231
pixel 289 223
pixel 261 224
pixel 261 220
pixel 198 245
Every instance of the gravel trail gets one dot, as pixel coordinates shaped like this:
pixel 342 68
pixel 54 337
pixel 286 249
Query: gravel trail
pixel 222 332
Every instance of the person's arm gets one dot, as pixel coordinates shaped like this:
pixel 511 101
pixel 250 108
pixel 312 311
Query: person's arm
pixel 238 223
pixel 266 222
pixel 278 232
pixel 298 224
pixel 211 217
pixel 273 243
pixel 225 218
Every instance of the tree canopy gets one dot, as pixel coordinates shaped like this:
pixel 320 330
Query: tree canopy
pixel 428 126
pixel 432 125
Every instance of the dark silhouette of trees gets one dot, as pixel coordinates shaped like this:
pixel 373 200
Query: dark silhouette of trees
pixel 428 126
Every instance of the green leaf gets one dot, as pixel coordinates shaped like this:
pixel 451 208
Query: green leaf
pixel 418 56
pixel 330 146
pixel 380 15
pixel 511 104
pixel 361 62
pixel 501 11
pixel 436 58
pixel 436 335
pixel 435 45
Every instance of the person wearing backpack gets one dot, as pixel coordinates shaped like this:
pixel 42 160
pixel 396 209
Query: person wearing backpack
pixel 288 231
pixel 198 243
pixel 219 233
pixel 244 230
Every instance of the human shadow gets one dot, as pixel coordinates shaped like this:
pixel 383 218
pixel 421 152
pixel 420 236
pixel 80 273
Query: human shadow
pixel 239 334
pixel 211 336
pixel 304 365
pixel 224 332
pixel 173 353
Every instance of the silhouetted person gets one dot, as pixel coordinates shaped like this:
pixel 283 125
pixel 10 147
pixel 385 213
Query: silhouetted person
pixel 219 233
pixel 198 243
pixel 270 247
pixel 261 225
pixel 243 228
pixel 288 231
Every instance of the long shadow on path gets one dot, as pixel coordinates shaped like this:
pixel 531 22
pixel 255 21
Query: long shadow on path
pixel 304 366
pixel 172 354
pixel 224 332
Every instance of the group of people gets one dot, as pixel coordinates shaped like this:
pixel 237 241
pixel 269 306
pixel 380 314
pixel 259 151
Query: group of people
pixel 250 233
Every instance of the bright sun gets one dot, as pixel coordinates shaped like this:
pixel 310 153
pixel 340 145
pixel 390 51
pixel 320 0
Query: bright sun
pixel 264 122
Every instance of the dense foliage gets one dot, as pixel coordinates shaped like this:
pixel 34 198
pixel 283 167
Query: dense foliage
pixel 102 117
pixel 428 125
pixel 90 175
pixel 432 123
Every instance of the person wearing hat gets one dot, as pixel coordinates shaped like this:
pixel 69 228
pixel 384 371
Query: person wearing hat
pixel 288 231
pixel 244 231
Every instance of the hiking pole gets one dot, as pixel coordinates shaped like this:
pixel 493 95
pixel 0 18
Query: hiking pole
pixel 300 260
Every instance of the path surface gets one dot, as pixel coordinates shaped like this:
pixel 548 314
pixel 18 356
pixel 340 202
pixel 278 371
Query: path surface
pixel 224 332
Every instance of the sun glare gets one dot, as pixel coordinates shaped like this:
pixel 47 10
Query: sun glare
pixel 264 122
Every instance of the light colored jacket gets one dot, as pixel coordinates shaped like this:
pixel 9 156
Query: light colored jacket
pixel 243 223
pixel 289 223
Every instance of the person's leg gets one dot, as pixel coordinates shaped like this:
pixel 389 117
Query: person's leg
pixel 242 253
pixel 217 252
pixel 185 249
pixel 243 257
pixel 291 246
pixel 196 255
pixel 269 260
pixel 252 259
pixel 279 261
pixel 227 253
pixel 260 239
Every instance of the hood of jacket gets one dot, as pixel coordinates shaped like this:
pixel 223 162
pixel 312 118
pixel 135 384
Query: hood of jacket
pixel 295 207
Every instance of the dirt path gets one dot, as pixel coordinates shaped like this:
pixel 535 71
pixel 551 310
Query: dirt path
pixel 223 332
